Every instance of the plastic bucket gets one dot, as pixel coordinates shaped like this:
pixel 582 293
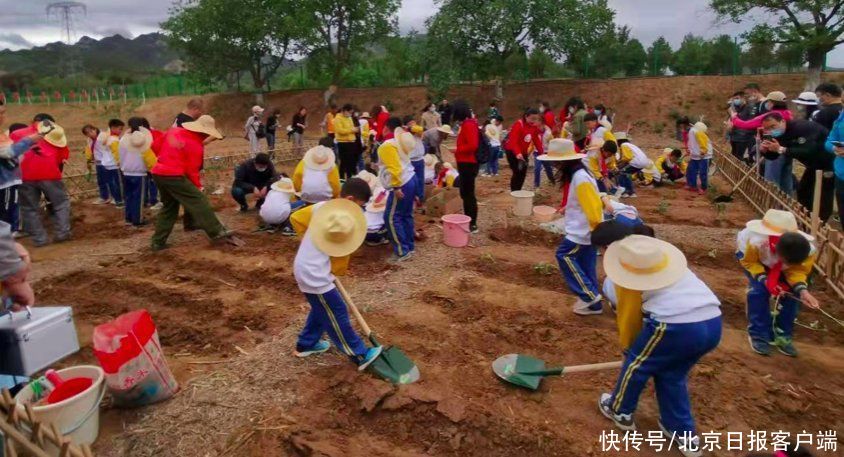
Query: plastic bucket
pixel 78 417
pixel 544 213
pixel 523 205
pixel 456 230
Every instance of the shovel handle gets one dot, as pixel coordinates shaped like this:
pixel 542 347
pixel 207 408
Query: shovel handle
pixel 746 175
pixel 592 367
pixel 358 317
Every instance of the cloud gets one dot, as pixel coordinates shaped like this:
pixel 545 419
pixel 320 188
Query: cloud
pixel 13 41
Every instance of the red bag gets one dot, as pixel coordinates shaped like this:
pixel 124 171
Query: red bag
pixel 136 372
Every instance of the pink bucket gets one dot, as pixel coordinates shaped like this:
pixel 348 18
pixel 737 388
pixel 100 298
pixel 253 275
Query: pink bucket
pixel 456 230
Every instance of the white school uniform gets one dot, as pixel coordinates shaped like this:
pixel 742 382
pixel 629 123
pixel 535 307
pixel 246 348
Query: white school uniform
pixel 276 207
pixel 312 267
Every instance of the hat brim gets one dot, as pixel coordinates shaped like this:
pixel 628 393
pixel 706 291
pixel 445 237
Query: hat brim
pixel 757 226
pixel 805 102
pixel 329 164
pixel 550 158
pixel 277 187
pixel 60 143
pixel 676 268
pixel 198 128
pixel 317 229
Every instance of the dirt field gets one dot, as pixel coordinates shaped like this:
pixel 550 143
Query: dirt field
pixel 228 320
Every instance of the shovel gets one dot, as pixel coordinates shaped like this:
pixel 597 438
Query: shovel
pixel 392 365
pixel 525 371
pixel 729 197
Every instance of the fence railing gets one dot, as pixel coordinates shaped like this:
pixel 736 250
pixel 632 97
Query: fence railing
pixel 81 184
pixel 763 195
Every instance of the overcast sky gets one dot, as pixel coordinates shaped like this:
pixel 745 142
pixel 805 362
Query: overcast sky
pixel 25 23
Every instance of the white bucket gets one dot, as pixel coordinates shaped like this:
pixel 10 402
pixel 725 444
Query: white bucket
pixel 78 417
pixel 523 205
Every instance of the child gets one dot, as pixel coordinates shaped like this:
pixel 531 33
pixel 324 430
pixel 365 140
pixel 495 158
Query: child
pixel 336 229
pixel 598 132
pixel 110 159
pixel 278 204
pixel 417 160
pixel 576 256
pixel 431 162
pixel 447 176
pixel 538 165
pixel 317 176
pixel 700 153
pixel 625 214
pixel 671 165
pixel 376 232
pixel 93 153
pixel 777 259
pixel 493 133
pixel 602 165
pixel 10 172
pixel 136 159
pixel 397 175
pixel 633 163
pixel 667 320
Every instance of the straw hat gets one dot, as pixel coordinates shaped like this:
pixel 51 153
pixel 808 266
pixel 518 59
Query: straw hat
pixel 446 129
pixel 378 204
pixel 284 185
pixel 776 222
pixel 53 134
pixel 369 178
pixel 139 141
pixel 775 96
pixel 560 149
pixel 257 109
pixel 621 136
pixel 806 98
pixel 205 124
pixel 430 160
pixel 644 263
pixel 701 127
pixel 365 115
pixel 319 158
pixel 338 227
pixel 668 150
pixel 447 165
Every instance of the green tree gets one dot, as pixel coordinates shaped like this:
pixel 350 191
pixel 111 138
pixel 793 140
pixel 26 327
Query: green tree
pixel 659 56
pixel 633 58
pixel 791 56
pixel 498 31
pixel 759 56
pixel 220 37
pixel 692 57
pixel 816 26
pixel 723 56
pixel 340 29
pixel 539 63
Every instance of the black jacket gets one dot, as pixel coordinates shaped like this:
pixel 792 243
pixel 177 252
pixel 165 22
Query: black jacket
pixel 247 177
pixel 827 115
pixel 804 141
pixel 748 111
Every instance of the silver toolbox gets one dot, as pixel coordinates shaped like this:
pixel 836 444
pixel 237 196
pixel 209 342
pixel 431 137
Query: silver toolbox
pixel 35 339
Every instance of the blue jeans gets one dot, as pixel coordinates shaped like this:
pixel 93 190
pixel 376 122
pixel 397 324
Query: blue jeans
pixel 698 170
pixel 270 141
pixel 779 172
pixel 761 323
pixel 377 236
pixel 666 353
pixel 625 181
pixel 102 182
pixel 329 315
pixel 538 165
pixel 578 264
pixel 115 187
pixel 398 218
pixel 630 222
pixel 134 188
pixel 9 209
pixel 152 190
pixel 494 157
pixel 419 171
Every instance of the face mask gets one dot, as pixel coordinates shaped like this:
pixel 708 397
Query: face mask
pixel 736 103
pixel 432 109
pixel 776 133
pixel 571 110
pixel 598 112
pixel 260 169
pixel 541 109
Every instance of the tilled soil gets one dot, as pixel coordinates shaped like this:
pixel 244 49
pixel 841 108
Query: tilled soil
pixel 228 318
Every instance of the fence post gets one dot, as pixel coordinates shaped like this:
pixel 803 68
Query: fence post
pixel 816 203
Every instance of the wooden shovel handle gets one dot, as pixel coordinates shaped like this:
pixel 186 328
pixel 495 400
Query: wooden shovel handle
pixel 592 367
pixel 351 304
pixel 747 174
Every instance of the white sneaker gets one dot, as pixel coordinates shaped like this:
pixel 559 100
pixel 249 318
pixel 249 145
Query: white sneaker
pixel 581 308
pixel 100 201
pixel 157 206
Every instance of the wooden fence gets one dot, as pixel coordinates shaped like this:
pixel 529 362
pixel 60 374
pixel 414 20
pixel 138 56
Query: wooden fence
pixel 24 434
pixel 81 184
pixel 763 195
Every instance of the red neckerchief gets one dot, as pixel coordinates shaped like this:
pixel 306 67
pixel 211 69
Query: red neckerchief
pixel 775 273
pixel 565 188
pixel 603 162
pixel 389 136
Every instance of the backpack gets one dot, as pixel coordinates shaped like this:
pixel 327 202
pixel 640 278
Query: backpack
pixel 261 132
pixel 484 152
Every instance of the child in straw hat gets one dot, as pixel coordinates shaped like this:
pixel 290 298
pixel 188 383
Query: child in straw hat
pixel 667 319
pixel 335 229
pixel 279 203
pixel 582 206
pixel 376 232
pixel 136 159
pixel 316 176
pixel 397 175
pixel 700 153
pixel 430 168
pixel 777 260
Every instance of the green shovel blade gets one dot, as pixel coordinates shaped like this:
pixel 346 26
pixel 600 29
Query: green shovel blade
pixel 522 370
pixel 394 366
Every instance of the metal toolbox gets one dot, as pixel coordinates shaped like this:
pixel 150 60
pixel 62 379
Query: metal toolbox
pixel 35 339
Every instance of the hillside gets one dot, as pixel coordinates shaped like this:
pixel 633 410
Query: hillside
pixel 113 56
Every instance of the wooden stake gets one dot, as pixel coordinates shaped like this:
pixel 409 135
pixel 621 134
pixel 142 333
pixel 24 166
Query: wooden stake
pixel 816 203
